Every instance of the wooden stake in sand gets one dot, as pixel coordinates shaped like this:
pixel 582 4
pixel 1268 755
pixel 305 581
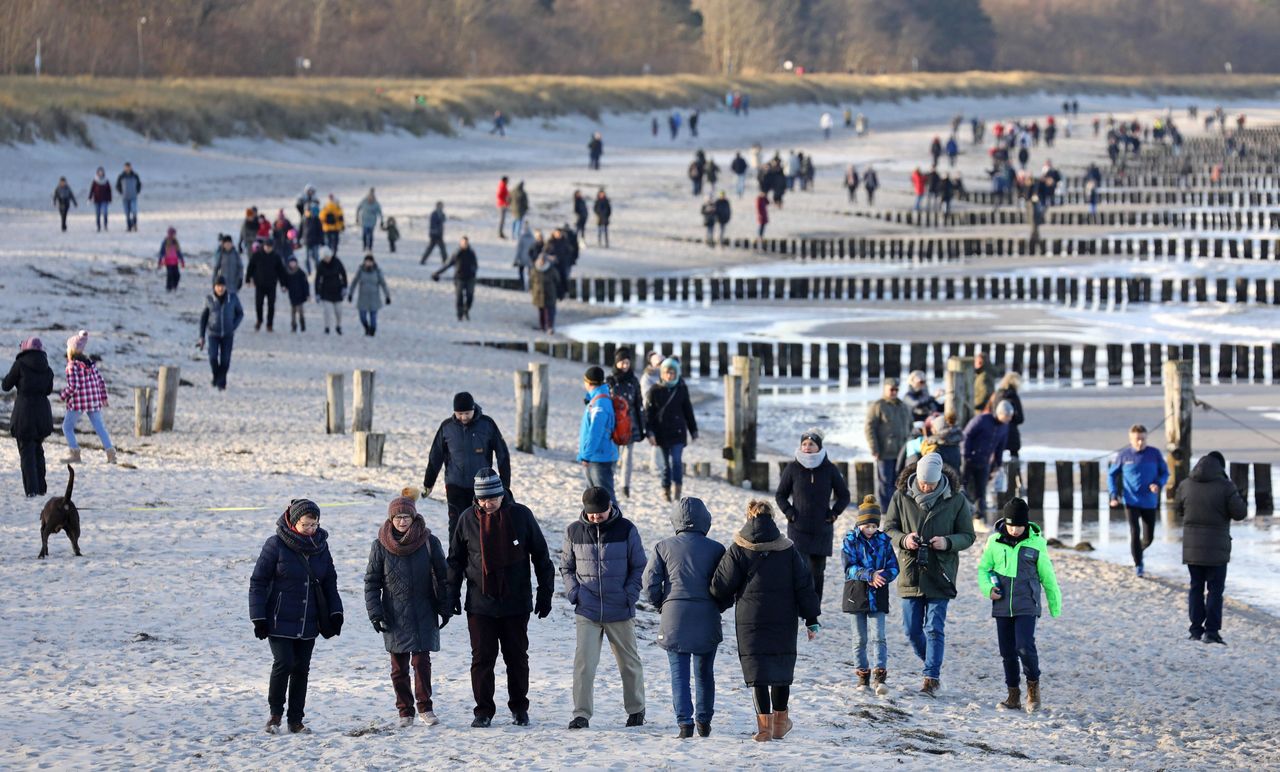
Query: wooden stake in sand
pixel 524 411
pixel 142 396
pixel 1179 400
pixel 333 408
pixel 168 398
pixel 540 374
pixel 362 401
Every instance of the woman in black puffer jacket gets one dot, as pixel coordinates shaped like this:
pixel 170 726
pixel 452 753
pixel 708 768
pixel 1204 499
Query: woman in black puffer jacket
pixel 812 494
pixel 32 418
pixel 669 422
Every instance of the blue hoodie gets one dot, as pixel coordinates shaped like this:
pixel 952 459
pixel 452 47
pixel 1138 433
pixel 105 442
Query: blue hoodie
pixel 1132 473
pixel 595 437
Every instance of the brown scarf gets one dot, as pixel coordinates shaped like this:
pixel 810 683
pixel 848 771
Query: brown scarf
pixel 497 550
pixel 408 543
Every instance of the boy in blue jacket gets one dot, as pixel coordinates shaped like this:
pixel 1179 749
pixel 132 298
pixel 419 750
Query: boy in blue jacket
pixel 869 566
pixel 596 449
pixel 1134 480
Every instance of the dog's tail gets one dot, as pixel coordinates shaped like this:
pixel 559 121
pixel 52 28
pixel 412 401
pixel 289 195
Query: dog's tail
pixel 71 481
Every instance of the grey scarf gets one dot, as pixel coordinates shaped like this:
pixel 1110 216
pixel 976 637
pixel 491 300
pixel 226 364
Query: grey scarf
pixel 928 500
pixel 811 460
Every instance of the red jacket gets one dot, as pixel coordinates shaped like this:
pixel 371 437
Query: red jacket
pixel 504 195
pixel 85 388
pixel 762 209
pixel 917 182
pixel 100 193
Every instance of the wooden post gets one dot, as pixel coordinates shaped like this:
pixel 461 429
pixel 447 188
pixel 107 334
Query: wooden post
pixel 1179 401
pixel 368 448
pixel 959 389
pixel 758 473
pixel 733 429
pixel 1239 474
pixel 1264 503
pixel 748 402
pixel 167 399
pixel 540 378
pixel 864 474
pixel 362 401
pixel 1035 485
pixel 1066 487
pixel 1090 485
pixel 333 406
pixel 524 411
pixel 142 410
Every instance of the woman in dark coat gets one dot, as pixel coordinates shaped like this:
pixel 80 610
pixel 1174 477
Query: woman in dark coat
pixel 770 582
pixel 32 418
pixel 293 597
pixel 405 590
pixel 1007 391
pixel 669 422
pixel 812 494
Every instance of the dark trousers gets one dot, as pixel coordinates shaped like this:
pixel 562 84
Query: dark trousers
pixel 488 634
pixel 1204 602
pixel 547 318
pixel 436 241
pixel 818 568
pixel 457 499
pixel 331 240
pixel 770 698
pixel 268 294
pixel 31 458
pixel 219 347
pixel 1017 637
pixel 171 278
pixel 1143 520
pixel 62 212
pixel 465 292
pixel 421 688
pixel 289 670
pixel 974 479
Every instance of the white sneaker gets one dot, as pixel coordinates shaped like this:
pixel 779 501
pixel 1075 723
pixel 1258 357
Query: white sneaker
pixel 429 718
pixel 406 721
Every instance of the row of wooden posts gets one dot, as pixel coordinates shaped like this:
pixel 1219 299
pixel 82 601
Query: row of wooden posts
pixel 1223 220
pixel 853 363
pixel 1229 179
pixel 1231 199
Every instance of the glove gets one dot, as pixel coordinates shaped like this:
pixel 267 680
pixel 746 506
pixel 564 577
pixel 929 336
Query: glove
pixel 543 605
pixel 388 300
pixel 814 627
pixel 348 298
pixel 380 626
pixel 444 620
pixel 457 607
pixel 260 629
pixel 426 493
pixel 337 624
pixel 693 436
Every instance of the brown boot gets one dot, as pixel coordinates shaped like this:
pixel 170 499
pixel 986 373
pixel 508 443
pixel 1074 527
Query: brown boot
pixel 1013 701
pixel 273 725
pixel 666 492
pixel 1033 696
pixel 864 678
pixel 878 677
pixel 930 688
pixel 764 728
pixel 781 724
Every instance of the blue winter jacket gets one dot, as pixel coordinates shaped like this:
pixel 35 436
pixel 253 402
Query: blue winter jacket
pixel 678 582
pixel 221 315
pixel 862 557
pixel 1131 474
pixel 602 567
pixel 595 437
pixel 984 440
pixel 279 589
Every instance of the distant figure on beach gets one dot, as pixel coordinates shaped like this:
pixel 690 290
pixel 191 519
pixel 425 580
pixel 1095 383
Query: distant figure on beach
pixel 64 199
pixel 1134 480
pixel 595 149
pixel 1206 503
pixel 499 124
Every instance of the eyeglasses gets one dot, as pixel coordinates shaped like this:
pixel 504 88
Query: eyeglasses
pixel 311 526
pixel 402 517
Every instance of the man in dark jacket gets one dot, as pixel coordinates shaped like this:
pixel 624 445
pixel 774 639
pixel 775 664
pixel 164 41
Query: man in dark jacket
pixel 984 443
pixel 32 418
pixel 465 266
pixel 129 185
pixel 723 212
pixel 602 563
pixel 492 548
pixel 435 231
pixel 1206 503
pixel 265 273
pixel 465 443
pixel 888 427
pixel 623 383
pixel 331 288
pixel 221 316
pixel 595 149
pixel 812 494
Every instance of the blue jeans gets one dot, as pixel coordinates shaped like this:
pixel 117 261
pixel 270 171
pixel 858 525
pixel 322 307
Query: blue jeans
pixel 100 213
pixel 366 236
pixel 878 644
pixel 600 474
pixel 1017 636
pixel 369 319
pixel 313 256
pixel 672 465
pixel 886 480
pixel 219 347
pixel 130 210
pixel 704 686
pixel 742 184
pixel 925 620
pixel 95 418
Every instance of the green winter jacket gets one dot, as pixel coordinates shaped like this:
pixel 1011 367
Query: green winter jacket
pixel 950 518
pixel 1020 570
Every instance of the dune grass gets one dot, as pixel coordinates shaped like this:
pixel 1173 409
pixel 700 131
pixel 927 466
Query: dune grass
pixel 201 110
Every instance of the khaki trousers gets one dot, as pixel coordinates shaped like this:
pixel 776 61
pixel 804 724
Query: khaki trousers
pixel 622 639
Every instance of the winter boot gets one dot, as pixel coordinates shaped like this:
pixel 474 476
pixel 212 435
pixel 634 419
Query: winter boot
pixel 781 724
pixel 930 688
pixel 406 721
pixel 666 490
pixel 1014 700
pixel 626 491
pixel 675 491
pixel 636 719
pixel 73 456
pixel 686 731
pixel 704 730
pixel 299 728
pixel 1033 696
pixel 864 679
pixel 273 725
pixel 878 678
pixel 764 728
pixel 111 455
pixel 338 329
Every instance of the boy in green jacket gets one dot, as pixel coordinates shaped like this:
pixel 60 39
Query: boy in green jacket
pixel 1014 567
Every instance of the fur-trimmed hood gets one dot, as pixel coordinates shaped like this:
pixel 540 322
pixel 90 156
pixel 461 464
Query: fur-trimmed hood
pixel 761 534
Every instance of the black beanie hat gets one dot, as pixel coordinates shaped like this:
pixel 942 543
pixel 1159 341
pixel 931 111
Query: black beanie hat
pixel 299 508
pixel 594 375
pixel 462 402
pixel 621 354
pixel 1016 512
pixel 596 500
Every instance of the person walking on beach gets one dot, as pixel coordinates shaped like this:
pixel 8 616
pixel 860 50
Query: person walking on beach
pixel 768 582
pixel 465 267
pixel 709 219
pixel 293 599
pixel 1206 503
pixel 1134 480
pixel 129 185
pixel 332 223
pixel 313 237
pixel 603 564
pixel 918 186
pixel 32 419
pixel 435 234
pixel 331 285
pixel 670 425
pixel 604 210
pixel 544 287
pixel 221 316
pixel 299 290
pixel 597 451
pixel 930 524
pixel 762 213
pixel 888 427
pixel 369 289
pixel 580 214
pixel 503 202
pixel 228 265
pixel 677 582
pixel 825 122
pixel 723 214
pixel 266 274
pixel 595 149
pixel 739 168
pixel 368 217
pixel 983 382
pixel 492 548
pixel 170 258
pixel 1012 571
pixel 869 568
pixel 465 443
pixel 519 207
pixel 851 181
pixel 623 383
pixel 812 494
pixel 871 183
pixel 406 594
pixel 85 392
pixel 63 199
pixel 985 440
pixel 100 196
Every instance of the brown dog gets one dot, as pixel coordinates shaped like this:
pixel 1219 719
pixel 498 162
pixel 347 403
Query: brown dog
pixel 60 514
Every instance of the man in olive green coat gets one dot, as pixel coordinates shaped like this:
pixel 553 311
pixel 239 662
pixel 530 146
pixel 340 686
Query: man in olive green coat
pixel 930 523
pixel 888 429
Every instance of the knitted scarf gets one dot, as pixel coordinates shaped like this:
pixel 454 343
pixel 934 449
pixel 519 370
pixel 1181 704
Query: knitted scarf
pixel 497 549
pixel 407 543
pixel 300 543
